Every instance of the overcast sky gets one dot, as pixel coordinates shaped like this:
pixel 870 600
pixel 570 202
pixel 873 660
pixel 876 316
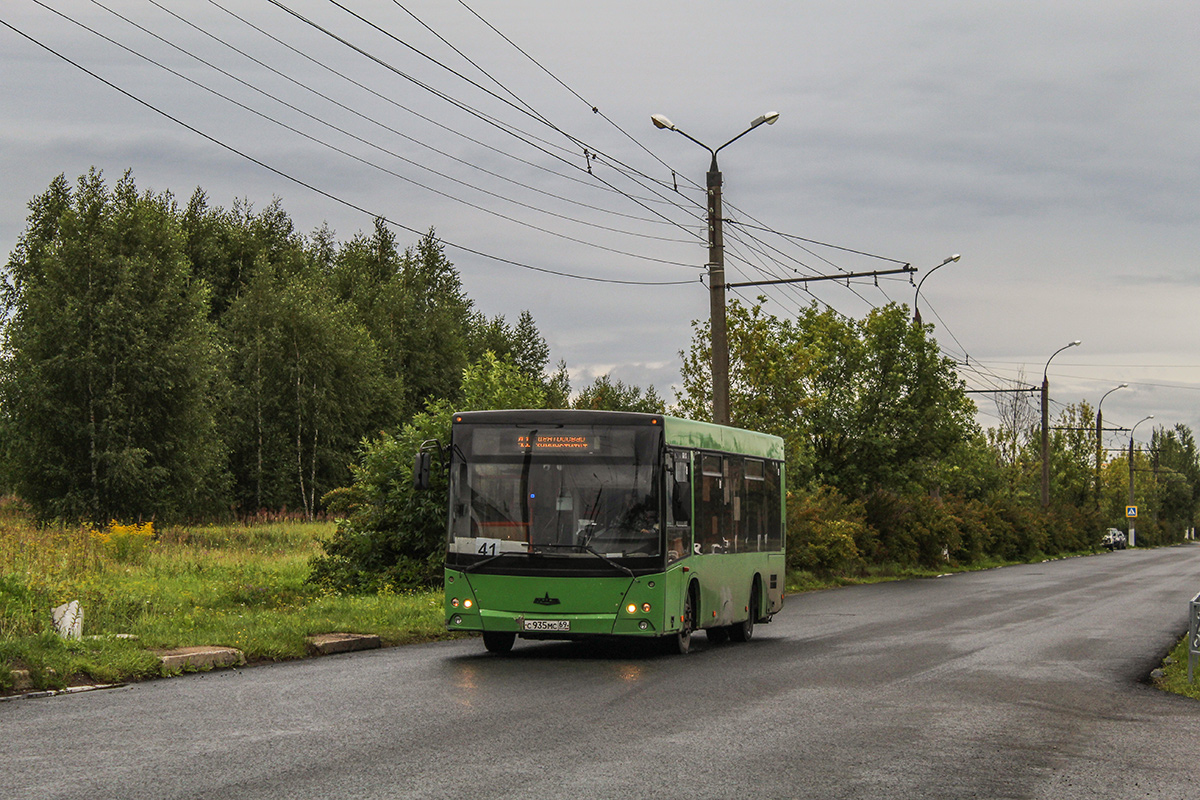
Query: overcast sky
pixel 1052 143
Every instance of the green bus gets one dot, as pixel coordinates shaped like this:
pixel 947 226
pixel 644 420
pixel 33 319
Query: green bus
pixel 569 524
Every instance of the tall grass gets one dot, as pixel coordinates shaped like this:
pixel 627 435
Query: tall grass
pixel 239 586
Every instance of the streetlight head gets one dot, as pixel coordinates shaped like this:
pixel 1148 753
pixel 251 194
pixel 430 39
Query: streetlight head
pixel 662 122
pixel 768 118
pixel 949 259
pixel 1075 343
pixel 1123 386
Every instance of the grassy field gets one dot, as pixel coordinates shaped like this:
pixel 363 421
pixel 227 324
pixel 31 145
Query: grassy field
pixel 234 585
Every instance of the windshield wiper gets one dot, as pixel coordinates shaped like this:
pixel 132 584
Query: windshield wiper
pixel 588 549
pixel 489 559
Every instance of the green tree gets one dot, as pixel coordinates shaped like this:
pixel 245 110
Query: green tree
pixel 862 404
pixel 602 394
pixel 111 377
pixel 1073 456
pixel 1176 465
pixel 309 385
pixel 393 534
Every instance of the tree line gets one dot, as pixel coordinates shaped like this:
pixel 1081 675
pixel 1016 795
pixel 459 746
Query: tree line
pixel 191 362
pixel 194 362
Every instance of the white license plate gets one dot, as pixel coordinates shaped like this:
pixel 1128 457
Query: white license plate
pixel 546 625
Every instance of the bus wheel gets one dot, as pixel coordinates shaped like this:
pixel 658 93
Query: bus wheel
pixel 681 642
pixel 717 635
pixel 498 641
pixel 742 631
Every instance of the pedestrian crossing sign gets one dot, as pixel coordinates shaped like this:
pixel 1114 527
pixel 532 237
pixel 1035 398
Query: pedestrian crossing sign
pixel 1131 511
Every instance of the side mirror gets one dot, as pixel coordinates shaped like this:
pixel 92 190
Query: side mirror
pixel 421 464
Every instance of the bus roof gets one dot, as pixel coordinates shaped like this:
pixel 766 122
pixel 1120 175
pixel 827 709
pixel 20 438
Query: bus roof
pixel 678 432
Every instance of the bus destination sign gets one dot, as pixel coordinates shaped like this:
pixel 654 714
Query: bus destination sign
pixel 558 442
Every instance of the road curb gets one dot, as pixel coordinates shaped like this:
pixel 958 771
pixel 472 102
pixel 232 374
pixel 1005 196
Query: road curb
pixel 326 644
pixel 197 658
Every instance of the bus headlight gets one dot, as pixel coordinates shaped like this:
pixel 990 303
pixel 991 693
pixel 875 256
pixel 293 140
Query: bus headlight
pixel 454 602
pixel 645 608
pixel 631 608
pixel 468 603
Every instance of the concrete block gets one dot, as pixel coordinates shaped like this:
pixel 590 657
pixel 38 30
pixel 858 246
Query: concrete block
pixel 21 680
pixel 201 658
pixel 325 644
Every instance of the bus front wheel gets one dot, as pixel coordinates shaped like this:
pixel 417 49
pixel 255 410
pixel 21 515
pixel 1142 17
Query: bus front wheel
pixel 498 641
pixel 681 642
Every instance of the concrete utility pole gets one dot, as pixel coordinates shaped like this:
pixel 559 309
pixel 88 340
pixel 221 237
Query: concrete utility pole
pixel 1046 424
pixel 1099 440
pixel 716 266
pixel 1133 525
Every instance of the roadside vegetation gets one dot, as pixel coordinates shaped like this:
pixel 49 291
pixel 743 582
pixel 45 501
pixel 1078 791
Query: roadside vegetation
pixel 1175 673
pixel 142 590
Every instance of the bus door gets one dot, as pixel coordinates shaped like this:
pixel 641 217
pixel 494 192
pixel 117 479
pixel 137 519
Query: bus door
pixel 678 476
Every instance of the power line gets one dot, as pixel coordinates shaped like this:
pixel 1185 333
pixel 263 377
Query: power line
pixel 335 148
pixel 313 188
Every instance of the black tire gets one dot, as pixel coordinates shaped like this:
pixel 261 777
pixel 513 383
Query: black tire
pixel 681 642
pixel 744 631
pixel 498 641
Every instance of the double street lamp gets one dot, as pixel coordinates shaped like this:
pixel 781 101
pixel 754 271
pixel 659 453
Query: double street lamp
pixel 1046 424
pixel 716 265
pixel 1132 525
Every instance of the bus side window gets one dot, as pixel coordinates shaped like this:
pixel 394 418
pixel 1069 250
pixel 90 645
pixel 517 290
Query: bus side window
pixel 774 516
pixel 711 509
pixel 679 505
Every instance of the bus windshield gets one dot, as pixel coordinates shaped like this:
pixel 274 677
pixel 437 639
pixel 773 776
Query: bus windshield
pixel 562 491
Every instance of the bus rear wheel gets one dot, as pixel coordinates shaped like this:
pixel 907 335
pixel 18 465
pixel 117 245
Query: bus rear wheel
pixel 743 631
pixel 498 641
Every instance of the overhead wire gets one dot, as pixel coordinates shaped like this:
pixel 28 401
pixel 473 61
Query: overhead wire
pixel 307 185
pixel 385 126
pixel 340 150
pixel 524 136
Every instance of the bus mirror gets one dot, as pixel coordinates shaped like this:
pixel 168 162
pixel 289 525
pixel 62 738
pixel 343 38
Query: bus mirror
pixel 421 465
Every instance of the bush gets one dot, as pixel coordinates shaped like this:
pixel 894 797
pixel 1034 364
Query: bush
pixel 827 533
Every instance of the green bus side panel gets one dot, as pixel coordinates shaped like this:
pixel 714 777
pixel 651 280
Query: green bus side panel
pixel 725 583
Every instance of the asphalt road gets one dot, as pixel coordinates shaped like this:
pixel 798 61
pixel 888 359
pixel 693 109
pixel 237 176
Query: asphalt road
pixel 1024 682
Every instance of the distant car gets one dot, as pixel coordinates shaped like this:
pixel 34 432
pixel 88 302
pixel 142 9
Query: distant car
pixel 1113 539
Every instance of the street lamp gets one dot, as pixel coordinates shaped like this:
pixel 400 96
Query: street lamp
pixel 917 296
pixel 716 265
pixel 1046 424
pixel 1099 440
pixel 1132 525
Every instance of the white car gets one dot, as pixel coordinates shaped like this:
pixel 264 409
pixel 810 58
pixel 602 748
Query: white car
pixel 1113 539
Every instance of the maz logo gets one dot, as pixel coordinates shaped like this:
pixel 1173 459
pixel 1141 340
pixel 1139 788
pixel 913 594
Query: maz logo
pixel 547 600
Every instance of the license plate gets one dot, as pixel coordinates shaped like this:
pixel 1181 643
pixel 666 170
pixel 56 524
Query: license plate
pixel 546 625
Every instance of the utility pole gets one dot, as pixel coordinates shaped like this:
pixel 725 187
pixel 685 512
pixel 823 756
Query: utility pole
pixel 716 265
pixel 1046 424
pixel 716 298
